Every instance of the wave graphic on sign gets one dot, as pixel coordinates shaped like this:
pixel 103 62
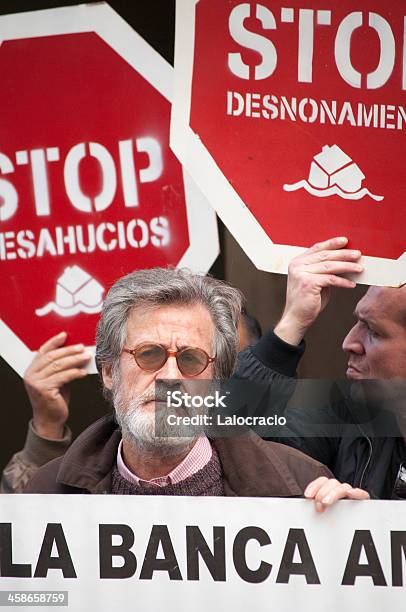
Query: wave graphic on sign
pixel 329 191
pixel 76 292
pixel 67 312
pixel 333 172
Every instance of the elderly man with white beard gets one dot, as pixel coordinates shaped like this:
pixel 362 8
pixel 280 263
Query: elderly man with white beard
pixel 177 326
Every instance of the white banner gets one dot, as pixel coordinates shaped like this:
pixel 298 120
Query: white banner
pixel 158 553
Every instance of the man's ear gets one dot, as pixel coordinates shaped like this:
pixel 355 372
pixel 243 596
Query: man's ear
pixel 107 377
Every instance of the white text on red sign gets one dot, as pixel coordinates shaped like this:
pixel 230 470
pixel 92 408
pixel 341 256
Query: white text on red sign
pixel 38 159
pixel 305 20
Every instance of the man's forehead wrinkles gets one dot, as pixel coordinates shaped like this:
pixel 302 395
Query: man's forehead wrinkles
pixel 379 314
pixel 173 327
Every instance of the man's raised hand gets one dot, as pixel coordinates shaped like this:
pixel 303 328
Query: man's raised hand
pixel 311 275
pixel 46 380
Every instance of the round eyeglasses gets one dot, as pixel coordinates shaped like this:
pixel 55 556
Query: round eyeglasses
pixel 152 357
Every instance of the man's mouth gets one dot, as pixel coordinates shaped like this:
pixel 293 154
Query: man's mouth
pixel 353 371
pixel 155 400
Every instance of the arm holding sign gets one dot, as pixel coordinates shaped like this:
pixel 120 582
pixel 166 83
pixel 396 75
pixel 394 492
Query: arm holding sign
pixel 48 437
pixel 273 361
pixel 311 275
pixel 46 380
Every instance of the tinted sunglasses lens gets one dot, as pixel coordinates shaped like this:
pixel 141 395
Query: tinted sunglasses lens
pixel 150 357
pixel 192 361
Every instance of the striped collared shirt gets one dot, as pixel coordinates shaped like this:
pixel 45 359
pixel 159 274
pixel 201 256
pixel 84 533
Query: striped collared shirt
pixel 195 460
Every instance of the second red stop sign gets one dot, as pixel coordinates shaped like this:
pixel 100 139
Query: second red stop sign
pixel 292 120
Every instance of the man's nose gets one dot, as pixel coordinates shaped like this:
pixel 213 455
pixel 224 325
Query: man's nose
pixel 352 343
pixel 170 370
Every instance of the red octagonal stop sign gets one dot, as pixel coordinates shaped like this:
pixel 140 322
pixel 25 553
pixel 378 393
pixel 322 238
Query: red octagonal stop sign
pixel 291 117
pixel 89 189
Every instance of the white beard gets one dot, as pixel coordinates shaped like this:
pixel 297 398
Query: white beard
pixel 138 426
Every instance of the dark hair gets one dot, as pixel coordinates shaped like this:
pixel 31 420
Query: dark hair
pixel 252 326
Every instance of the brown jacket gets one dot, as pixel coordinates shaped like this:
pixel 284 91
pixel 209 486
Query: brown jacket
pixel 251 466
pixel 37 452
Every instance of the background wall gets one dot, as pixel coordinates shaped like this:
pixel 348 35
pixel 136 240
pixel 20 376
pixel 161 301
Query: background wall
pixel 154 20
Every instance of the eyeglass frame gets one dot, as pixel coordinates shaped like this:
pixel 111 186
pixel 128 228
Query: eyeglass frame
pixel 169 353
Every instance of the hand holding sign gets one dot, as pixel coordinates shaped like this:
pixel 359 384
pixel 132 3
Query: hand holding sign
pixel 46 381
pixel 326 491
pixel 311 274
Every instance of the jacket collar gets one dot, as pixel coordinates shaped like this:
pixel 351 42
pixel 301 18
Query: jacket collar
pixel 88 463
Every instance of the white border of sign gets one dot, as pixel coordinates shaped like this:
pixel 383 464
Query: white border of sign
pixel 104 21
pixel 195 157
pixel 330 537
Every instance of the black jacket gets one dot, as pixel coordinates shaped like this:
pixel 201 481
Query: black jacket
pixel 361 446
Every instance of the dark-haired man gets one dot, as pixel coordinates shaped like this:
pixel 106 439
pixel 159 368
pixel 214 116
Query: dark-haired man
pixel 366 450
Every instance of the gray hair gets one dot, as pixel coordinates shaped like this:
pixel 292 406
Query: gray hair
pixel 165 286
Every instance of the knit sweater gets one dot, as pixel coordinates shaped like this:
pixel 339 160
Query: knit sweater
pixel 207 481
